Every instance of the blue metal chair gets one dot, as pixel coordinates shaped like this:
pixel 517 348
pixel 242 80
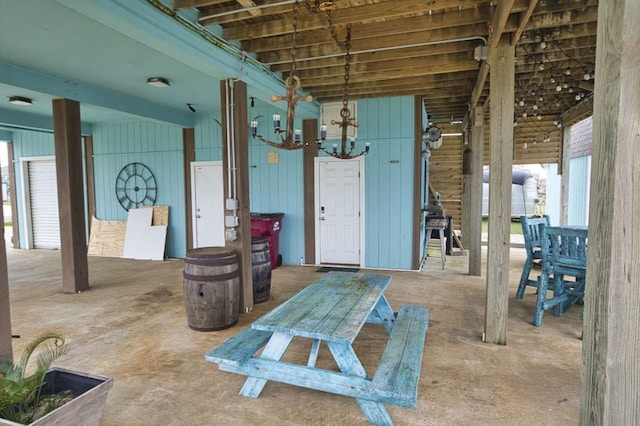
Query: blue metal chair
pixel 532 231
pixel 564 253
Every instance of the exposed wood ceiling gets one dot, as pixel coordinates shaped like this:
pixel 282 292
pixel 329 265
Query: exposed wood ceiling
pixel 420 47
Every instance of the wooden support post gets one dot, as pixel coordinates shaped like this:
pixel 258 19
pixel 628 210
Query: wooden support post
pixel 502 80
pixel 611 345
pixel 417 182
pixel 237 150
pixel 474 240
pixel 189 155
pixel 6 350
pixel 564 170
pixel 73 238
pixel 310 152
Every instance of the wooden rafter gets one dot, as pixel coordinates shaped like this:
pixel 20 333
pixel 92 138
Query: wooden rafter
pixel 524 20
pixel 499 19
pixel 250 5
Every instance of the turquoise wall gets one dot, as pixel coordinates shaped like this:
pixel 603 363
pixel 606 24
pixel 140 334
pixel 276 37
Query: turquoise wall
pixel 159 147
pixel 274 188
pixel 388 124
pixel 28 144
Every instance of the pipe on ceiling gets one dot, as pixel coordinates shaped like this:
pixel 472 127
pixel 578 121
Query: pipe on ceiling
pixel 382 49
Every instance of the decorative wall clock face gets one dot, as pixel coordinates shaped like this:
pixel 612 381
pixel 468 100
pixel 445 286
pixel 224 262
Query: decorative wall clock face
pixel 136 186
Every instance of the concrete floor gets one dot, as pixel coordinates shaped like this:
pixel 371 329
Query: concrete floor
pixel 132 326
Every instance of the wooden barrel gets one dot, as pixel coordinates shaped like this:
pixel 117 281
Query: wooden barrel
pixel 212 288
pixel 261 266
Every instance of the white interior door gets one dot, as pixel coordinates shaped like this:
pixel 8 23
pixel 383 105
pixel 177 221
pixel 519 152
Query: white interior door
pixel 208 204
pixel 339 206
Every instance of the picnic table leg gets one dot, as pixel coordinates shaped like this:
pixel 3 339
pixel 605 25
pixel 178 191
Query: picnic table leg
pixel 273 350
pixel 348 363
pixel 313 356
pixel 384 311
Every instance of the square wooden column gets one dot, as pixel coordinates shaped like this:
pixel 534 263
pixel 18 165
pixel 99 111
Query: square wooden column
pixel 189 155
pixel 502 80
pixel 610 385
pixel 6 350
pixel 310 152
pixel 474 239
pixel 68 150
pixel 234 114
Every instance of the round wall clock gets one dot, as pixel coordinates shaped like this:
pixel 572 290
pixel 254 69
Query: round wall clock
pixel 136 186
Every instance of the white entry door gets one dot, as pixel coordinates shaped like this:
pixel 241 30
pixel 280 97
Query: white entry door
pixel 340 210
pixel 207 204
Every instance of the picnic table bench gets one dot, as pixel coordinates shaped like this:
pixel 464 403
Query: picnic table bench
pixel 333 310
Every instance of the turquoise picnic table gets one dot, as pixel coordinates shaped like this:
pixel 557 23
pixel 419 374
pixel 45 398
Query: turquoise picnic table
pixel 333 310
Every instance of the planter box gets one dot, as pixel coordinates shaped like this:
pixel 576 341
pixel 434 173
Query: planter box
pixel 85 409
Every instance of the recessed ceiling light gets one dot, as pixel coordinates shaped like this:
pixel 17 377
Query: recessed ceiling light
pixel 158 82
pixel 20 100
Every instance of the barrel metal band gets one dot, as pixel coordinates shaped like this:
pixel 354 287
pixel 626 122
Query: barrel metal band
pixel 209 261
pixel 213 278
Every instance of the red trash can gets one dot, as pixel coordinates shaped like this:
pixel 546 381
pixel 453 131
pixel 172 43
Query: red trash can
pixel 268 225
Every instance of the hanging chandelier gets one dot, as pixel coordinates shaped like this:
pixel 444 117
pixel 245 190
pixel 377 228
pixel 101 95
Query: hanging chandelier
pixel 346 151
pixel 289 138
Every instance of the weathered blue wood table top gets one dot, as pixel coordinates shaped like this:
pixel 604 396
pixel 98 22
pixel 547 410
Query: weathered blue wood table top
pixel 333 310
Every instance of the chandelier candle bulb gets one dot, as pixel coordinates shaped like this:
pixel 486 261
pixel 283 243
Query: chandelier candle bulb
pixel 335 148
pixel 254 128
pixel 367 146
pixel 276 122
pixel 297 135
pixel 323 131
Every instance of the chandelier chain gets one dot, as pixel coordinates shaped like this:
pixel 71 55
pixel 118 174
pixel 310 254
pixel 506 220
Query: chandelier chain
pixel 347 67
pixel 296 12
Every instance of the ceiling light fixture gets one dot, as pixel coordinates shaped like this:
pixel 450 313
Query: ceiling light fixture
pixel 20 100
pixel 158 82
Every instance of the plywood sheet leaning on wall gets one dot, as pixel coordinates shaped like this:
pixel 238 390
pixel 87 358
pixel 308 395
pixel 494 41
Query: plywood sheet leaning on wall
pixel 107 236
pixel 160 215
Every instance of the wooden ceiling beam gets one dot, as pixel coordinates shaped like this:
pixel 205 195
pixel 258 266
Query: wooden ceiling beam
pixel 250 4
pixel 190 4
pixel 563 33
pixel 326 77
pixel 214 17
pixel 499 19
pixel 283 53
pixel 409 87
pixel 448 60
pixel 559 19
pixel 391 55
pixel 378 29
pixel 524 20
pixel 480 83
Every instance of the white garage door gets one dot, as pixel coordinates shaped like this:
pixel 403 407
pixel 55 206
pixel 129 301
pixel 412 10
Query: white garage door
pixel 43 193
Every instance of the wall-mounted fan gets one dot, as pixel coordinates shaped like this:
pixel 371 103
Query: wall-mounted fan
pixel 432 137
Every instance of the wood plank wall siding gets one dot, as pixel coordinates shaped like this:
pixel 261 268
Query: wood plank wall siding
pixel 533 132
pixel 445 176
pixel 157 145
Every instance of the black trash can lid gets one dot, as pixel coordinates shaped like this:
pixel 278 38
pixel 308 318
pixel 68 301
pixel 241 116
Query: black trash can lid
pixel 267 215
